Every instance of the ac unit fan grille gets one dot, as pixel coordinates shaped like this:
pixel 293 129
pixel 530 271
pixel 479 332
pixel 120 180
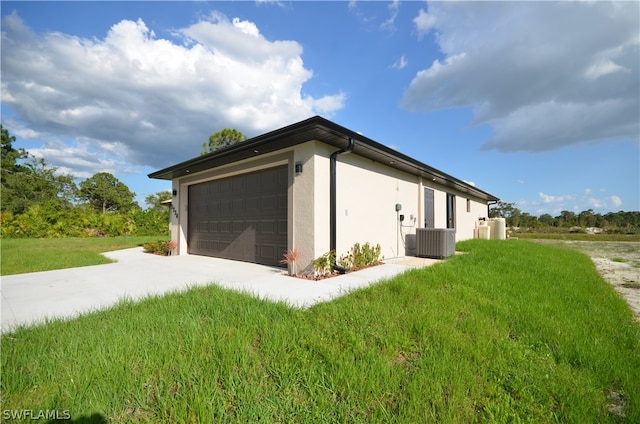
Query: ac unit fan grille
pixel 437 243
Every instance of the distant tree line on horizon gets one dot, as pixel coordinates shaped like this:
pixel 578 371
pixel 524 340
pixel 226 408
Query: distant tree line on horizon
pixel 614 222
pixel 37 201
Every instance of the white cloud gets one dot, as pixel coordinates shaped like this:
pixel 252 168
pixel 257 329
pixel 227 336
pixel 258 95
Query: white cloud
pixel 270 2
pixel 19 130
pixel 133 98
pixel 596 203
pixel 389 24
pixel 543 74
pixel 616 201
pixel 328 104
pixel 424 23
pixel 400 63
pixel 572 202
pixel 603 68
pixel 546 198
pixel 82 160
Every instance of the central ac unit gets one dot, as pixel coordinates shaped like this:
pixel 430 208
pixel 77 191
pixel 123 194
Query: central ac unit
pixel 437 243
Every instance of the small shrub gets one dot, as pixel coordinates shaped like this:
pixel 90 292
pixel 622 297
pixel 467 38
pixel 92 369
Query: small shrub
pixel 366 255
pixel 290 258
pixel 159 247
pixel 323 266
pixel 361 256
pixel 346 261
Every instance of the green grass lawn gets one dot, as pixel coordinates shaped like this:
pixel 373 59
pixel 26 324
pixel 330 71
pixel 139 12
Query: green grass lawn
pixel 577 236
pixel 30 255
pixel 509 332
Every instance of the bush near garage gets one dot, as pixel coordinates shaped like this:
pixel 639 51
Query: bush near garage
pixel 358 257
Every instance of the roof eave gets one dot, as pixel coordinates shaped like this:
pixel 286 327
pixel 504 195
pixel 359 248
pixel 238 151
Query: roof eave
pixel 317 128
pixel 266 143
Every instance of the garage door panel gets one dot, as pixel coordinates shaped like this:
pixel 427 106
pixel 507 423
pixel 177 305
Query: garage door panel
pixel 268 202
pixel 251 224
pixel 237 184
pixel 268 252
pixel 252 183
pixel 226 208
pixel 224 227
pixel 270 180
pixel 223 187
pixel 242 217
pixel 267 228
pixel 238 207
pixel 239 226
pixel 252 204
pixel 205 245
pixel 282 227
pixel 282 201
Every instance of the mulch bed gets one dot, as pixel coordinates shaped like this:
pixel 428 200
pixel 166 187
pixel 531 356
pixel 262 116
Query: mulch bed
pixel 333 274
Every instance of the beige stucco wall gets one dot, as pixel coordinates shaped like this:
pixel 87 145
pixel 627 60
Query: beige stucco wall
pixel 466 221
pixel 322 198
pixel 174 220
pixel 367 194
pixel 302 234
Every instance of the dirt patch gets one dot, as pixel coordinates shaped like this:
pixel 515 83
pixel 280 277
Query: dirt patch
pixel 617 262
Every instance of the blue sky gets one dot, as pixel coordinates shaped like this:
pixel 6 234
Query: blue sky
pixel 536 103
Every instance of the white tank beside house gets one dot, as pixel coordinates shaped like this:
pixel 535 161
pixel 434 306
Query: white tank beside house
pixel 498 228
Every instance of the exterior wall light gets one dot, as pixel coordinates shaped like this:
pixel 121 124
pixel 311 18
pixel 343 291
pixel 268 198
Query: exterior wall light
pixel 298 168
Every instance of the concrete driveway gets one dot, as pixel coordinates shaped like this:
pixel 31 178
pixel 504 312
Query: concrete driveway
pixel 34 297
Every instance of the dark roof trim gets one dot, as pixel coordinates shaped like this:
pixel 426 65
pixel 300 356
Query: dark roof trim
pixel 321 129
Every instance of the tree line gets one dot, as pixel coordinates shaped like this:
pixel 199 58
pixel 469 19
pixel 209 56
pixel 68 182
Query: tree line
pixel 37 201
pixel 615 222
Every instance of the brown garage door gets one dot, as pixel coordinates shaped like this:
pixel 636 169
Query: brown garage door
pixel 242 217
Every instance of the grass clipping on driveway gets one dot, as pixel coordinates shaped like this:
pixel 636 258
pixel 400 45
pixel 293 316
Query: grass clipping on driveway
pixel 512 331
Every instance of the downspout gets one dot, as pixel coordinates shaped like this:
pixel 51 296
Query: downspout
pixel 489 203
pixel 332 199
